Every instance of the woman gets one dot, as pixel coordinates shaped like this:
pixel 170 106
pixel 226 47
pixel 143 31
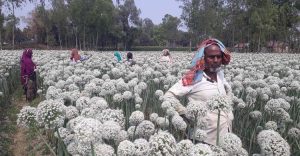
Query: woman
pixel 204 81
pixel 130 60
pixel 74 55
pixel 28 75
pixel 118 56
pixel 166 56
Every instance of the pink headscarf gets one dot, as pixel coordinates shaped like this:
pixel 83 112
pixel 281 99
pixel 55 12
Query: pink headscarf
pixel 27 65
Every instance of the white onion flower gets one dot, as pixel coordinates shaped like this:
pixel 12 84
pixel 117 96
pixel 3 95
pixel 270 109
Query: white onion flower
pixel 131 131
pixel 184 147
pixel 218 151
pixel 138 100
pixel 112 115
pixel 257 115
pixel 201 149
pixel 142 85
pixel 105 77
pixel 116 72
pixel 26 117
pixel 195 110
pixel 110 130
pixel 136 118
pixel 271 125
pixel 219 102
pixel 108 88
pixel 122 135
pixel 271 143
pixel 179 123
pixel 142 147
pixel 53 93
pixel 50 113
pixel 137 106
pixel 200 135
pixel 127 95
pixel 121 85
pixel 165 105
pixel 118 97
pixel 171 112
pixel 72 148
pixel 88 112
pixel 82 102
pixel 88 131
pixel 294 133
pixel 162 122
pixel 145 129
pixel 159 93
pixel 126 148
pixel 231 143
pixel 63 132
pixel 104 149
pixel 98 103
pixel 71 112
pixel 274 104
pixel 73 122
pixel 162 143
pixel 153 117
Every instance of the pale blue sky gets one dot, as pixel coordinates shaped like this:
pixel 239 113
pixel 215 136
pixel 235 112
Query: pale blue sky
pixel 153 9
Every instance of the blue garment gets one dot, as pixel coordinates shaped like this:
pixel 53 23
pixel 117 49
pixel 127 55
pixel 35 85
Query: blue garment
pixel 118 56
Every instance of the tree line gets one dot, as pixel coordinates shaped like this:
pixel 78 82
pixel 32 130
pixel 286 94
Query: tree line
pixel 101 24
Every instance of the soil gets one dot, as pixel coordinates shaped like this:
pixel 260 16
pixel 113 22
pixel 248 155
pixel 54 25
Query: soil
pixel 20 143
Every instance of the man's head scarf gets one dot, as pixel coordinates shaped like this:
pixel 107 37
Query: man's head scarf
pixel 198 63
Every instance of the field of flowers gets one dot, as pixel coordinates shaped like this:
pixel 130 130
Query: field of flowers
pixel 100 107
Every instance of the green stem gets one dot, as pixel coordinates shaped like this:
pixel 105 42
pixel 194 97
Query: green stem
pixel 297 144
pixel 49 147
pixel 218 128
pixel 133 137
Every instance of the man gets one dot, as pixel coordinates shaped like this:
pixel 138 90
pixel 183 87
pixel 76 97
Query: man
pixel 205 80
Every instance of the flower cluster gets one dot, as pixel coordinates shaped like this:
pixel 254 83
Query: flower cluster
pixel 162 143
pixel 26 117
pixel 271 143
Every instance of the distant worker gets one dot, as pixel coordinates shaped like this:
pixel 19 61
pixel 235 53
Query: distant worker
pixel 28 75
pixel 129 59
pixel 118 56
pixel 166 57
pixel 75 57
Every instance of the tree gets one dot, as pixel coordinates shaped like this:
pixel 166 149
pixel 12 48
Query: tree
pixel 10 22
pixel 147 32
pixel 1 27
pixel 59 16
pixel 101 20
pixel 169 29
pixel 262 15
pixel 203 18
pixel 129 17
pixel 12 5
pixel 39 24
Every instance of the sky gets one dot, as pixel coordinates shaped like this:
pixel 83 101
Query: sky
pixel 153 9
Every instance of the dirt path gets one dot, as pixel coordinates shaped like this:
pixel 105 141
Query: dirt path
pixel 20 143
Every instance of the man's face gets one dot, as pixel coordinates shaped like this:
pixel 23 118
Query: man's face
pixel 213 58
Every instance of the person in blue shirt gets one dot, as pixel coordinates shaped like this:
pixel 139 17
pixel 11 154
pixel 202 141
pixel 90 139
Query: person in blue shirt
pixel 118 56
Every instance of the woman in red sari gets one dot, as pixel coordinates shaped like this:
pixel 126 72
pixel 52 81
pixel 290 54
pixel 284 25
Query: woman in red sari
pixel 28 75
